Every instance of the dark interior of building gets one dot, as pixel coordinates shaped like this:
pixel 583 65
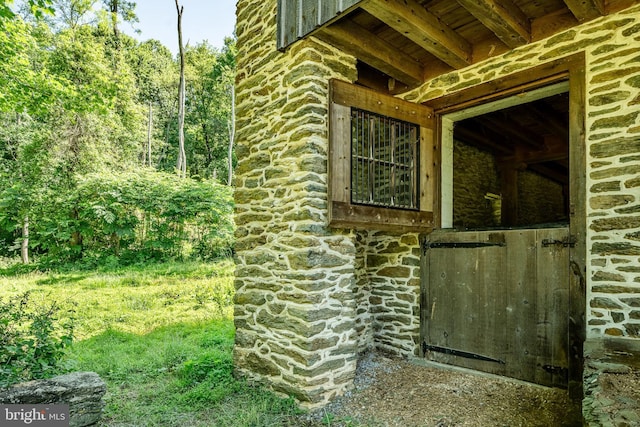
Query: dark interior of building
pixel 511 166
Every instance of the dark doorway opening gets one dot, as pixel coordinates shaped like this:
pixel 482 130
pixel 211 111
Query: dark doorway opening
pixel 511 166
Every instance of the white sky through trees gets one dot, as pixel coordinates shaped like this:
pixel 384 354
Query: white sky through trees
pixel 210 20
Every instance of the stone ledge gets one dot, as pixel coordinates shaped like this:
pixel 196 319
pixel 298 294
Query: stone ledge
pixel 82 391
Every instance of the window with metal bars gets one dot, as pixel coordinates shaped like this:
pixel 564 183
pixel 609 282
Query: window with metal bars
pixel 384 161
pixel 381 161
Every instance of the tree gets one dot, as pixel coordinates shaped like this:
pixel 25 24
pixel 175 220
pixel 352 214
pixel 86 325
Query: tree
pixel 156 78
pixel 82 102
pixel 38 8
pixel 232 134
pixel 120 9
pixel 29 94
pixel 182 156
pixel 209 109
pixel 72 14
pixel 21 171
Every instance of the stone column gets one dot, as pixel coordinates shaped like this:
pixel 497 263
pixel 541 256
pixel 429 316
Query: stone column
pixel 295 277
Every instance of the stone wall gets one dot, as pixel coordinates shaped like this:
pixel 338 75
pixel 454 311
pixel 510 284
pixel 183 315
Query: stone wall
pixel 391 273
pixel 611 378
pixel 309 298
pixel 474 175
pixel 540 200
pixel 295 304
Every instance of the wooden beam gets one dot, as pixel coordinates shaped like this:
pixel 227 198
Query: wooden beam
pixel 413 21
pixel 552 153
pixel 378 81
pixel 550 173
pixel 510 130
pixel 503 17
pixel 474 135
pixel 556 124
pixel 509 191
pixel 369 48
pixel 586 10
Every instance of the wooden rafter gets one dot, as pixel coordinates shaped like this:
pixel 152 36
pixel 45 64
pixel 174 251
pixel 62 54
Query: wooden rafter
pixel 511 131
pixel 412 20
pixel 366 46
pixel 475 135
pixel 555 153
pixel 410 41
pixel 503 17
pixel 556 124
pixel 585 10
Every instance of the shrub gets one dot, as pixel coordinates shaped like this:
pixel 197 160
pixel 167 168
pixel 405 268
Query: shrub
pixel 32 340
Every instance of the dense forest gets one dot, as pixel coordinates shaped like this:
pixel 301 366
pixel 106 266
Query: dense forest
pixel 89 139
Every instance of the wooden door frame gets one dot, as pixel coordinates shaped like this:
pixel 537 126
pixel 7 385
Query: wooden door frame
pixel 571 69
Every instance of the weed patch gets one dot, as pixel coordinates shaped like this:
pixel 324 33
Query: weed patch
pixel 162 338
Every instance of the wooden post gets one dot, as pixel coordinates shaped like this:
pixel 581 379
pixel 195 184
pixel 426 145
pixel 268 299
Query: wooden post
pixel 509 190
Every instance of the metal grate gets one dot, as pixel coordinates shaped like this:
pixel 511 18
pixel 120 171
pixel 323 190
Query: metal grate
pixel 384 156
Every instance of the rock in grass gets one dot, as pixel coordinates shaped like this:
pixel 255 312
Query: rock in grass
pixel 82 391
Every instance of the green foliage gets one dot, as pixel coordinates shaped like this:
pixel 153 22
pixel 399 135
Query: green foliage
pixel 125 218
pixel 32 342
pixel 86 114
pixel 38 8
pixel 154 215
pixel 208 119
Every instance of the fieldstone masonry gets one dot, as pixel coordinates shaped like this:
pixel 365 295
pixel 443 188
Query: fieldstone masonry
pixel 309 298
pixel 82 391
pixel 295 302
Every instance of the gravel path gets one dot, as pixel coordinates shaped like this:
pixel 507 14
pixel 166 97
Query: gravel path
pixel 396 393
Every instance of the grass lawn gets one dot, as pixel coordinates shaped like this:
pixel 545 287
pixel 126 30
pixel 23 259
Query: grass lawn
pixel 161 337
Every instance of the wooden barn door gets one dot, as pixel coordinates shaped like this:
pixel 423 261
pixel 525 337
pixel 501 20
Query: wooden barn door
pixel 498 302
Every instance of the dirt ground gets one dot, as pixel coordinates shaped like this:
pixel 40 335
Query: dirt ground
pixel 396 393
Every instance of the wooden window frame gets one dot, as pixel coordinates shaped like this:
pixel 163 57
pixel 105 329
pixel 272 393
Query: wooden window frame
pixel 342 212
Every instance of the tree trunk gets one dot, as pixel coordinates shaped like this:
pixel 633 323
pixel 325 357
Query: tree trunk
pixel 24 247
pixel 149 128
pixel 182 157
pixel 113 6
pixel 232 134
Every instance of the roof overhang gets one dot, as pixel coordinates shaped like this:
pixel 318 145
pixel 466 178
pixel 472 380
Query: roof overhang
pixel 402 43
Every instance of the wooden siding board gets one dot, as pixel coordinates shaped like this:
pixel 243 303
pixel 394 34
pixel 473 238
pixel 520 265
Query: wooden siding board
pixel 553 306
pixel 298 18
pixel 287 22
pixel 310 13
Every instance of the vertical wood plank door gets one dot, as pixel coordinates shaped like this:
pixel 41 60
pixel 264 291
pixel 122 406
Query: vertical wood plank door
pixel 498 302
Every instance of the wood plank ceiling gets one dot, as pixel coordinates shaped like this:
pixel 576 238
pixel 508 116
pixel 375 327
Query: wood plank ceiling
pixel 402 43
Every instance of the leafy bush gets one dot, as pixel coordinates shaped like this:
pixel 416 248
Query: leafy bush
pixel 134 218
pixel 32 341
